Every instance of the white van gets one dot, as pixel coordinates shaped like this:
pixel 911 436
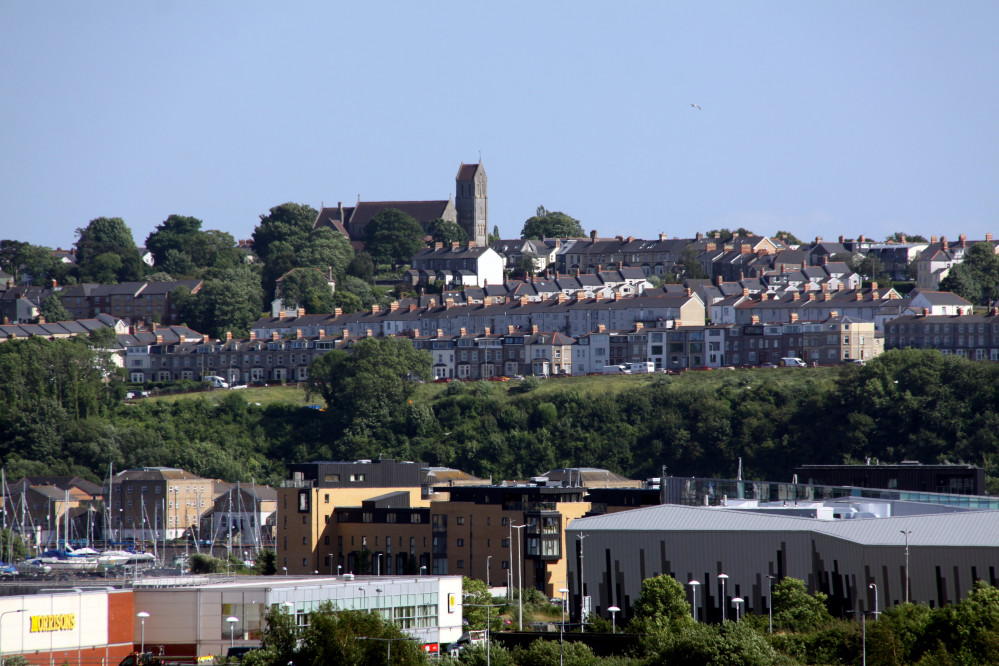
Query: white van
pixel 792 362
pixel 216 382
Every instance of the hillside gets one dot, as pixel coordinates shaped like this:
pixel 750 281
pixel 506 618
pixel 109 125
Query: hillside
pixel 56 418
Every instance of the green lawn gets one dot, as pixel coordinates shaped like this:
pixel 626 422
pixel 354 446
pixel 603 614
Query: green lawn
pixel 288 394
pixel 294 394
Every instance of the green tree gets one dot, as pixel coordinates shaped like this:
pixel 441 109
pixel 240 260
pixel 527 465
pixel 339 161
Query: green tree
pixel 371 385
pixel 231 302
pixel 362 267
pixel 551 224
pixel 354 637
pixel 909 238
pixel 962 282
pixel 12 546
pixel 393 237
pixel 495 235
pixel 298 285
pixel 725 233
pixel 103 238
pixel 327 250
pixel 174 233
pixel 788 237
pixel 265 563
pixel 52 309
pixel 662 603
pixel 795 609
pixel 289 223
pixel 446 232
pixel 347 301
pixel 976 278
pixel 476 598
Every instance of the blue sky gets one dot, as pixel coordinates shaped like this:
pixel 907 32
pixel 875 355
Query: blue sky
pixel 822 118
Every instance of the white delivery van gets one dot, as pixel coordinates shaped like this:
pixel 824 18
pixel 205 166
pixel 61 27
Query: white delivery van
pixel 792 362
pixel 216 382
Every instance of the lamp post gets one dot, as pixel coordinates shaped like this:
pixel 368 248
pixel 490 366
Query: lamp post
pixel 520 579
pixel 19 610
pixel 737 602
pixel 488 608
pixel 388 659
pixel 339 568
pixel 232 620
pixel 561 627
pixel 423 569
pixel 906 534
pixel 874 587
pixel 723 577
pixel 142 621
pixel 770 601
pixel 285 570
pixel 613 611
pixel 582 588
pixel 693 586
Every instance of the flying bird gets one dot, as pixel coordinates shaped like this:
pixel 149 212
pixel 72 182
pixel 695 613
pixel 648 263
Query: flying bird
pixel 696 107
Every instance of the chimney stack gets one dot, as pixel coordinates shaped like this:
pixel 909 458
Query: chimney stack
pixel 298 334
pixel 228 336
pixel 275 335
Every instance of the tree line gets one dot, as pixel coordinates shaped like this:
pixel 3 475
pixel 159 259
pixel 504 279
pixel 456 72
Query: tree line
pixel 62 412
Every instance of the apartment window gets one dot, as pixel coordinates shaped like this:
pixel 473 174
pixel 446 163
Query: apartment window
pixel 357 477
pixel 414 518
pixel 460 520
pixel 505 543
pixel 506 564
pixel 461 564
pixel 326 498
pixel 503 521
pixel 461 543
pixel 158 489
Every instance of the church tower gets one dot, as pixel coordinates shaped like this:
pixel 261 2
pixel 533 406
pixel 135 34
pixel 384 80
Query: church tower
pixel 471 202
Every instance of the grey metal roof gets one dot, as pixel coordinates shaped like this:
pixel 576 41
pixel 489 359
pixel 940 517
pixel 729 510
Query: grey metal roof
pixel 967 528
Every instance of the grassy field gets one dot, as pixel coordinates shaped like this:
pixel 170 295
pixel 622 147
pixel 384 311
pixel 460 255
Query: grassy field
pixel 293 394
pixel 288 394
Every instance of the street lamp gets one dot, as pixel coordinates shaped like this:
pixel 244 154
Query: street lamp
pixel 423 569
pixel 693 586
pixel 388 659
pixel 613 611
pixel 339 568
pixel 520 578
pixel 561 627
pixel 142 620
pixel 19 610
pixel 723 578
pixel 285 570
pixel 232 620
pixel 737 602
pixel 488 607
pixel 874 587
pixel 770 601
pixel 906 534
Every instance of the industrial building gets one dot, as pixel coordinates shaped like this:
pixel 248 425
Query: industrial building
pixel 859 551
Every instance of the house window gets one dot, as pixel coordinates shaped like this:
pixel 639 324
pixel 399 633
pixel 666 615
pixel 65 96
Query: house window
pixel 460 520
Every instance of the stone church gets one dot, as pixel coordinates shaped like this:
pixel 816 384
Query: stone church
pixel 469 208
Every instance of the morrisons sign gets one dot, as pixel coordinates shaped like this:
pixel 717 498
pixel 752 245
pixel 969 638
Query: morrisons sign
pixel 65 622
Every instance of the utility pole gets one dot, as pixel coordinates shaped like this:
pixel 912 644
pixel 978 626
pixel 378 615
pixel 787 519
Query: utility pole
pixel 582 589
